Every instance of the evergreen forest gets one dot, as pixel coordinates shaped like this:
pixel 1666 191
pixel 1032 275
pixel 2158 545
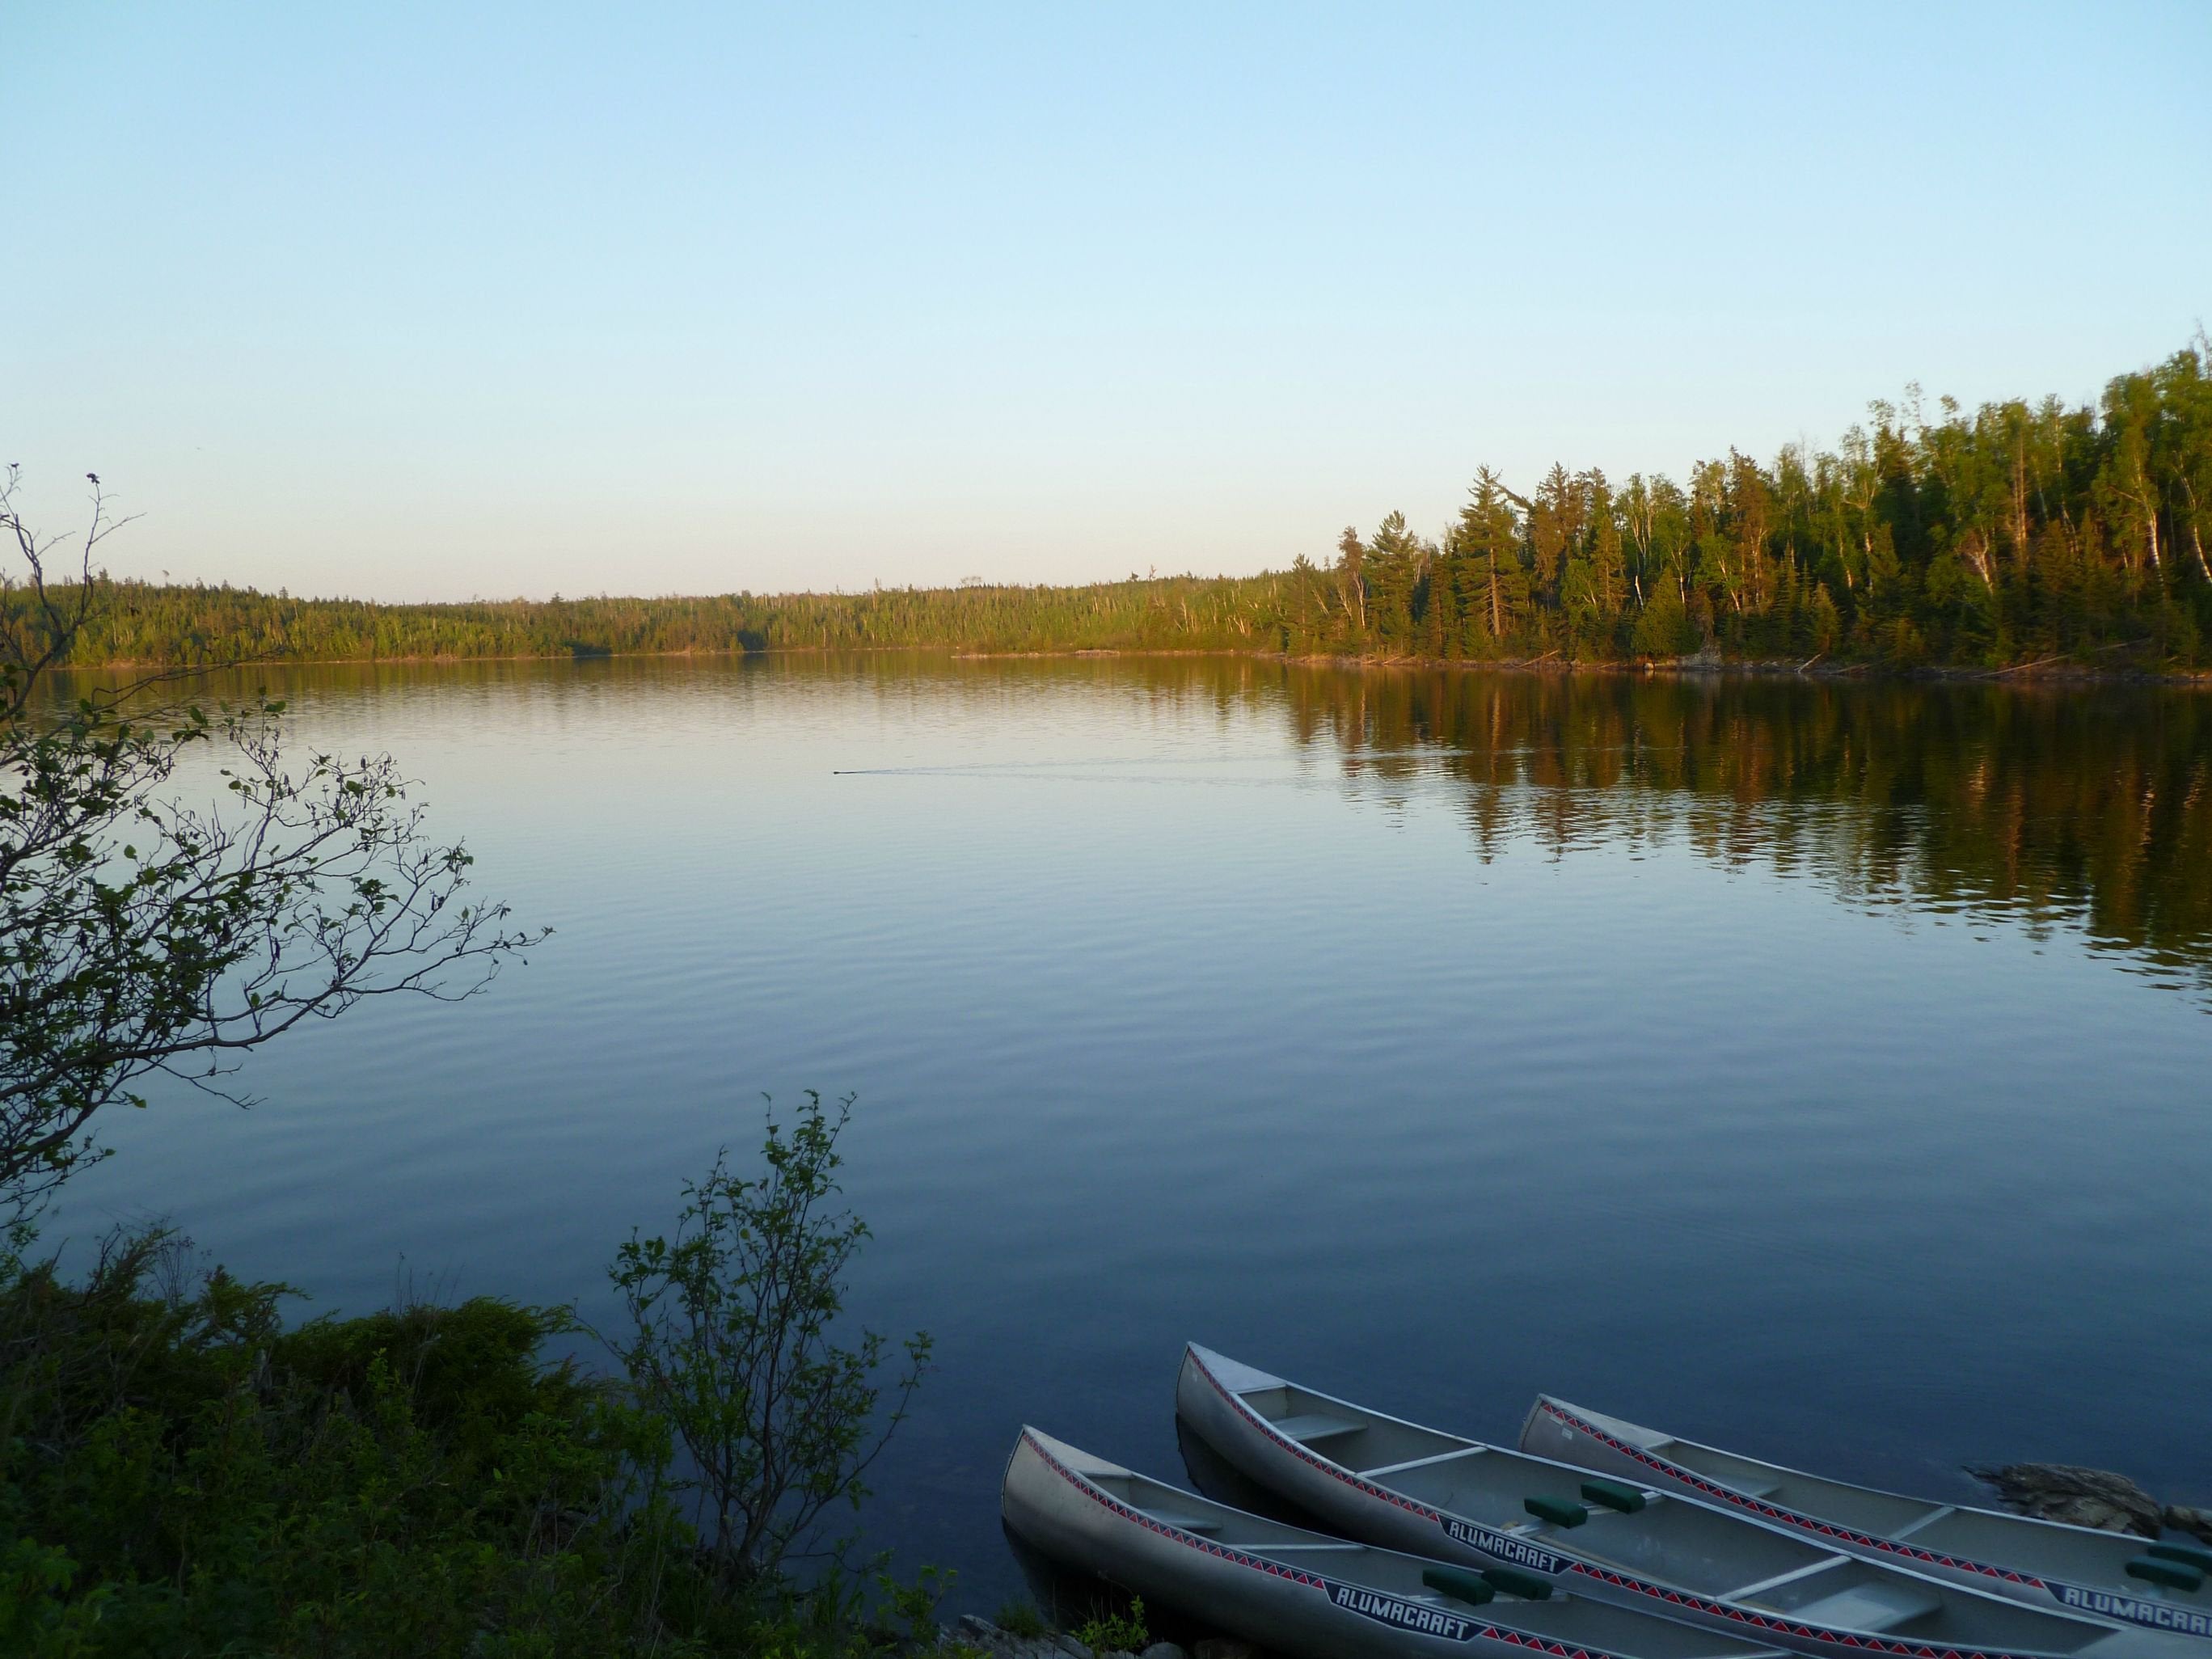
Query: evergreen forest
pixel 2017 534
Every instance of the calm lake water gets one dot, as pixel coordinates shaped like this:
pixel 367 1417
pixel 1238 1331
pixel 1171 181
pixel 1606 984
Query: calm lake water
pixel 1819 1070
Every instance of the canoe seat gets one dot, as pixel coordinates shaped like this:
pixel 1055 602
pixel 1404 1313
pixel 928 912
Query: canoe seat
pixel 1184 1523
pixel 1313 1426
pixel 1613 1494
pixel 1513 1581
pixel 1557 1513
pixel 2174 1575
pixel 1459 1586
pixel 2189 1555
pixel 1876 1606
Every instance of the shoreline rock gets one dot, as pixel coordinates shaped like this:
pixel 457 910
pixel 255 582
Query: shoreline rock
pixel 976 1632
pixel 2083 1496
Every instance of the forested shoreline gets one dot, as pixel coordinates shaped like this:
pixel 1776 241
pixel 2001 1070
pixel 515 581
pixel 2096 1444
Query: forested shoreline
pixel 2017 534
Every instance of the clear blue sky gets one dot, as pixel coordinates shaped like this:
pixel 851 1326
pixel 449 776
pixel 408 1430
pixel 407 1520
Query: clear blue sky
pixel 393 301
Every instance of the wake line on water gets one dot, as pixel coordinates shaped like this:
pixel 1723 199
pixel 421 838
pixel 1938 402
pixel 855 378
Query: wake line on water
pixel 1015 768
pixel 971 767
pixel 1181 779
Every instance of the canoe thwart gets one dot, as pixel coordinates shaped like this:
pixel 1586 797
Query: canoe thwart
pixel 2174 1575
pixel 1613 1495
pixel 1459 1586
pixel 1555 1511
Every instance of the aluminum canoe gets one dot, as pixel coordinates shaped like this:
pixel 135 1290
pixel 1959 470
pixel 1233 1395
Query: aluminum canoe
pixel 1398 1484
pixel 2043 1563
pixel 1301 1593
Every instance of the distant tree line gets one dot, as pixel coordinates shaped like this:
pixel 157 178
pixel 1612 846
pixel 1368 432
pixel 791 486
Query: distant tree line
pixel 2015 533
pixel 154 625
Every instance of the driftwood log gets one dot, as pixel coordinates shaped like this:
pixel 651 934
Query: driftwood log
pixel 2088 1497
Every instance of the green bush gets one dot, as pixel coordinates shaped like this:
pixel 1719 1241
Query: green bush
pixel 1116 1632
pixel 1021 1618
pixel 733 1341
pixel 180 1475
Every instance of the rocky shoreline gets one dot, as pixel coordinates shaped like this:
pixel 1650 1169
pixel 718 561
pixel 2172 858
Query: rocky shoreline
pixel 980 1634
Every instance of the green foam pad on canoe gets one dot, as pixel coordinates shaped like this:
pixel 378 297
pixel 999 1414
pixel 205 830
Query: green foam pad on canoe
pixel 1613 1495
pixel 1459 1586
pixel 2189 1555
pixel 1513 1581
pixel 2171 1574
pixel 1557 1513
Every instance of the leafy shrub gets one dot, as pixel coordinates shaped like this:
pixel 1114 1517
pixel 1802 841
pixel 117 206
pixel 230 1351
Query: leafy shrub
pixel 181 1476
pixel 1116 1632
pixel 732 1342
pixel 1021 1618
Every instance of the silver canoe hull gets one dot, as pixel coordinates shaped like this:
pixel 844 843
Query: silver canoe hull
pixel 1294 1591
pixel 2043 1564
pixel 1427 1493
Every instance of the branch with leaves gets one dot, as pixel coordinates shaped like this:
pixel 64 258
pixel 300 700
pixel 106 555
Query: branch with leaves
pixel 731 1339
pixel 141 935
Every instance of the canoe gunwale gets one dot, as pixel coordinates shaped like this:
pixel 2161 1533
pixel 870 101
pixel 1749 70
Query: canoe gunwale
pixel 2123 1608
pixel 1670 1600
pixel 1716 1491
pixel 1136 1516
pixel 1342 1593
